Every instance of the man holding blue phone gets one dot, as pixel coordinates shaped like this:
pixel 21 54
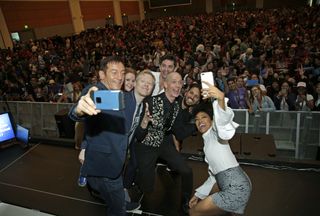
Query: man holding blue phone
pixel 106 135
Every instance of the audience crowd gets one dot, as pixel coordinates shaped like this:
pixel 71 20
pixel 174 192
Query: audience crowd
pixel 262 59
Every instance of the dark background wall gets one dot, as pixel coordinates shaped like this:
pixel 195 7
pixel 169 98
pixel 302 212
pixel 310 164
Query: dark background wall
pixel 49 18
pixel 197 7
pixel 284 3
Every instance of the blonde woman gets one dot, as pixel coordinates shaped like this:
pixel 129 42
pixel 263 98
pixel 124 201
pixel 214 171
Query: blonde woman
pixel 259 101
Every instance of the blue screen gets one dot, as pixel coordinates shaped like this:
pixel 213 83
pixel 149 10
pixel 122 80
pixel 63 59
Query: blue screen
pixel 6 130
pixel 22 134
pixel 252 82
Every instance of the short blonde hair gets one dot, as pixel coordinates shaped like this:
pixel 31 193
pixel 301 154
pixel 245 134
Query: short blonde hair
pixel 146 72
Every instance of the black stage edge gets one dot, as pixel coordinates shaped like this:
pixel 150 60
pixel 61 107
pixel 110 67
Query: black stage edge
pixel 66 142
pixel 297 164
pixel 44 177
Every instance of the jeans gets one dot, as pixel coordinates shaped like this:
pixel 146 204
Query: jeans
pixel 112 192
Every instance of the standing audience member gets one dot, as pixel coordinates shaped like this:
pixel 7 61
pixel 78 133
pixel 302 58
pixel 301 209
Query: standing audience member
pixel 304 101
pixel 53 90
pixel 106 137
pixel 260 101
pixel 274 89
pixel 154 137
pixel 285 99
pixel 317 97
pixel 215 124
pixel 237 96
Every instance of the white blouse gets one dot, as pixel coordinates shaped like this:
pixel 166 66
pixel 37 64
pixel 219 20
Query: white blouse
pixel 218 156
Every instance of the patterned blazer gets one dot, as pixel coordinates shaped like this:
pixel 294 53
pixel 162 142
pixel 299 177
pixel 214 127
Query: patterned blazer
pixel 162 121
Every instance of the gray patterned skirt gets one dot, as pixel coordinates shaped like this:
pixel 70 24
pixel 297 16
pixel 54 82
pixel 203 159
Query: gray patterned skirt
pixel 235 189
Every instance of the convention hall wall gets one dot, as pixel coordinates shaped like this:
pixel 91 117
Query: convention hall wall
pixel 53 17
pixel 49 18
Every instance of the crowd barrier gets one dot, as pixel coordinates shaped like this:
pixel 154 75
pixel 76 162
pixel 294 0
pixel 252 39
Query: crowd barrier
pixel 294 131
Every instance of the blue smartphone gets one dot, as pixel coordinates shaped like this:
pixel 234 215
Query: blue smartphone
pixel 108 99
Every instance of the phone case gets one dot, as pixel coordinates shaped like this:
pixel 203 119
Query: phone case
pixel 109 99
pixel 208 77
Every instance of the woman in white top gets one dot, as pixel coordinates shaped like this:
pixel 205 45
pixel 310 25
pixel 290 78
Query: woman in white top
pixel 216 125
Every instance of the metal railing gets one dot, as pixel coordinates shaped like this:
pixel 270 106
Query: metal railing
pixel 298 132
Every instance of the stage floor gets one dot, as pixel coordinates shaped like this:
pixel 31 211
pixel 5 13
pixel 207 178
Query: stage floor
pixel 44 178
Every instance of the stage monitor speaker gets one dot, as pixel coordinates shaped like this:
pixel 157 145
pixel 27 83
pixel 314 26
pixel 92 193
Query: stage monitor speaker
pixel 193 144
pixel 258 146
pixel 65 124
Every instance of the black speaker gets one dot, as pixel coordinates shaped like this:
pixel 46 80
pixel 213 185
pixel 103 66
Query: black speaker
pixel 258 146
pixel 65 124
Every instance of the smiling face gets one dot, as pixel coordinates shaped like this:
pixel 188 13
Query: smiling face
pixel 144 84
pixel 192 97
pixel 114 75
pixel 166 67
pixel 203 122
pixel 256 92
pixel 173 84
pixel 129 81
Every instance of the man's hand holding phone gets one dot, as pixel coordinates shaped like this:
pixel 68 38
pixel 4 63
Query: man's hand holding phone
pixel 86 105
pixel 108 99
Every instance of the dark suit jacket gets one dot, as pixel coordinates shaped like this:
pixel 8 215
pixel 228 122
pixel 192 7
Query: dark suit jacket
pixel 106 135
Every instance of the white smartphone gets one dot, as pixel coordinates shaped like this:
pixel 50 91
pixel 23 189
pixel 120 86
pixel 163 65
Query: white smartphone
pixel 208 77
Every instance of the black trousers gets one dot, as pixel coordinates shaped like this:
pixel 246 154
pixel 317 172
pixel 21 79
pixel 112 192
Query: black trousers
pixel 147 157
pixel 131 168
